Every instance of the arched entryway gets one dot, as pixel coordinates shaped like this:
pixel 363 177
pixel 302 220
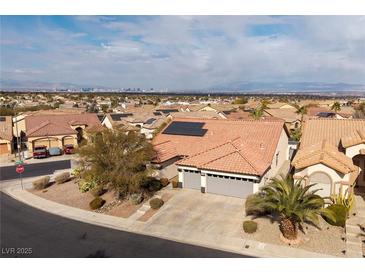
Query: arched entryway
pixel 48 142
pixel 323 181
pixel 80 135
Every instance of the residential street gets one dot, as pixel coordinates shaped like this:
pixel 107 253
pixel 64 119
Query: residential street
pixel 32 170
pixel 52 236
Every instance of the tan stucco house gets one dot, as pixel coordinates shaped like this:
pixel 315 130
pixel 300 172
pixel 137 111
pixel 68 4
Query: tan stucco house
pixel 332 155
pixel 6 135
pixel 59 130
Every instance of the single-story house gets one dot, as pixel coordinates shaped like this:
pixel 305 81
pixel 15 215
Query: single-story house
pixel 59 130
pixel 331 154
pixel 289 115
pixel 226 157
pixel 6 135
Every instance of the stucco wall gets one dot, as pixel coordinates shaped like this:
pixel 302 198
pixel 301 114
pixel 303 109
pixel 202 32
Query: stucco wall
pixel 354 150
pixel 106 122
pixel 59 137
pixel 335 176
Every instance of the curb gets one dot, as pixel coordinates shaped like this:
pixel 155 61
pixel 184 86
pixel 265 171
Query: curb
pixel 257 249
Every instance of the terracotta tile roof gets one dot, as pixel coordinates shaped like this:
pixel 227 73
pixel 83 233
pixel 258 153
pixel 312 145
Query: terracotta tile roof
pixel 252 143
pixel 43 125
pixel 323 153
pixel 6 128
pixel 239 115
pixel 333 131
pixel 232 156
pixel 289 115
pixel 196 114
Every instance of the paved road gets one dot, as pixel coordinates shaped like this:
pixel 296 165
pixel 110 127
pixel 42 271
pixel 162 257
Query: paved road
pixel 31 170
pixel 54 236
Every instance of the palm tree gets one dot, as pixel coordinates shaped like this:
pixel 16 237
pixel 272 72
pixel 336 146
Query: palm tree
pixel 301 110
pixel 257 113
pixel 336 106
pixel 293 203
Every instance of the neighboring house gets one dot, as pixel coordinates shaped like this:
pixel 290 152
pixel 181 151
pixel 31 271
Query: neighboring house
pixel 6 135
pixel 279 105
pixel 59 130
pixel 238 115
pixel 289 115
pixel 326 112
pixel 111 119
pixel 198 114
pixel 331 154
pixel 227 157
pixel 151 125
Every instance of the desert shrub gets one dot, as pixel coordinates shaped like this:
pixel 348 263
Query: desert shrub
pixel 77 172
pixel 136 198
pixel 86 185
pixel 340 215
pixel 252 209
pixel 156 203
pixel 41 183
pixel 151 184
pixel 164 182
pixel 96 203
pixel 249 226
pixel 62 178
pixel 98 191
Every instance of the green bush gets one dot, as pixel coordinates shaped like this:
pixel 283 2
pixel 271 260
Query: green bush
pixel 156 203
pixel 77 172
pixel 85 186
pixel 249 226
pixel 96 203
pixel 62 178
pixel 340 215
pixel 136 198
pixel 250 207
pixel 151 184
pixel 41 183
pixel 98 191
pixel 164 182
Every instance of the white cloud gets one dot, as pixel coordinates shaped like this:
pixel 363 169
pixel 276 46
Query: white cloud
pixel 193 51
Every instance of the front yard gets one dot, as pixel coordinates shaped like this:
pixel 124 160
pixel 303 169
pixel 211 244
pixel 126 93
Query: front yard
pixel 196 216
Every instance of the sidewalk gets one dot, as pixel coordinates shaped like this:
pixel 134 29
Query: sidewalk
pixel 236 245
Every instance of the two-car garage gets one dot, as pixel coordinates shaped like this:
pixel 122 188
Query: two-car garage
pixel 228 185
pixel 234 186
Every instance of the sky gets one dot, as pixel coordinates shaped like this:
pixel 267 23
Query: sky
pixel 182 52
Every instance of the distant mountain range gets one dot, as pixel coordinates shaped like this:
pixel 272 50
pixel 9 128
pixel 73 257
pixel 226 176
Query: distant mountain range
pixel 289 87
pixel 10 84
pixel 250 87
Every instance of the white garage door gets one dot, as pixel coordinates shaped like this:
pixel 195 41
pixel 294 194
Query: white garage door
pixel 192 179
pixel 229 186
pixel 323 182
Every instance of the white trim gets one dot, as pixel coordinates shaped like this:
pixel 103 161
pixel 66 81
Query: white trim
pixel 230 174
pixel 186 167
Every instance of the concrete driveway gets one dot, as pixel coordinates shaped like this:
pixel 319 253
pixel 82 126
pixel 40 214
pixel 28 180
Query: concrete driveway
pixel 198 216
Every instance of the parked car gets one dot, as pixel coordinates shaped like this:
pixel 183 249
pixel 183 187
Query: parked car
pixel 69 149
pixel 40 152
pixel 55 151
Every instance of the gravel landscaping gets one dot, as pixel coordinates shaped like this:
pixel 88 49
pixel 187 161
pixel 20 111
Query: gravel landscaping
pixel 149 213
pixel 67 194
pixel 328 240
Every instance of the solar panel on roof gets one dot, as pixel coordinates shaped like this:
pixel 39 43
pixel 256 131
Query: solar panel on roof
pixel 167 111
pixel 157 113
pixel 186 129
pixel 119 116
pixel 150 121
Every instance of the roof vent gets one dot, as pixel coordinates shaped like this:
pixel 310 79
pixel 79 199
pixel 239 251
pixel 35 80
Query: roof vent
pixel 261 145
